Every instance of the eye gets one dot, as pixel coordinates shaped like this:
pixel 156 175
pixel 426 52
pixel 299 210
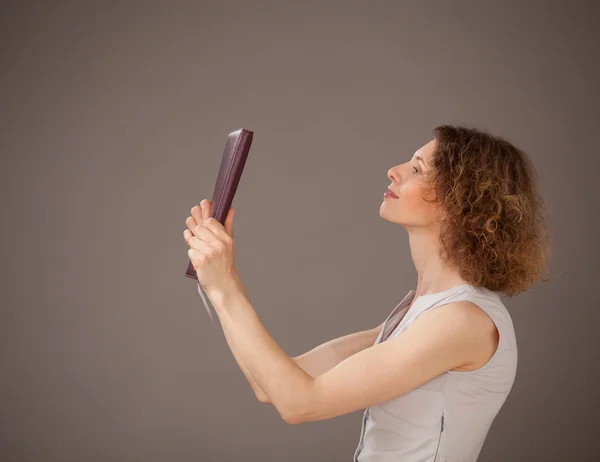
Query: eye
pixel 415 169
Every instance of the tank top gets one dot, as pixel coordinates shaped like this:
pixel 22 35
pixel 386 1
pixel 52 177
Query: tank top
pixel 446 419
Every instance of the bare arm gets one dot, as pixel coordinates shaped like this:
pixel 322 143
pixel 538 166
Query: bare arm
pixel 327 355
pixel 260 394
pixel 318 360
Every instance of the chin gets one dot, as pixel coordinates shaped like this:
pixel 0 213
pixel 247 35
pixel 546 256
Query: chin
pixel 385 214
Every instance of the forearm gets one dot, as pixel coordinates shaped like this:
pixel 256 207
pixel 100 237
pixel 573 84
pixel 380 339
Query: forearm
pixel 260 394
pixel 285 383
pixel 326 356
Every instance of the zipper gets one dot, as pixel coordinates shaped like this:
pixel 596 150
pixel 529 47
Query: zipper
pixel 439 439
pixel 362 435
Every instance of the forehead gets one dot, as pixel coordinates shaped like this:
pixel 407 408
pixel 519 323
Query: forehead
pixel 426 150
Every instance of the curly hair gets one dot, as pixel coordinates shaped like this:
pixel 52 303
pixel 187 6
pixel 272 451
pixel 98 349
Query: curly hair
pixel 495 228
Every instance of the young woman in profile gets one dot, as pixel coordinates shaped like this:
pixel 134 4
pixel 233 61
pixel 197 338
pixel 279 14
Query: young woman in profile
pixel 435 373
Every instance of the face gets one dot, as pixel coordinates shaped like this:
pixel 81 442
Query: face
pixel 410 209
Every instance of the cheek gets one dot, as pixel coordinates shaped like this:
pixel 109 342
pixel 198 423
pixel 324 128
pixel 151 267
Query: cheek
pixel 412 199
pixel 411 195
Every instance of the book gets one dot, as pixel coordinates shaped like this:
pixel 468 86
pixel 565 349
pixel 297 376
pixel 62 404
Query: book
pixel 232 165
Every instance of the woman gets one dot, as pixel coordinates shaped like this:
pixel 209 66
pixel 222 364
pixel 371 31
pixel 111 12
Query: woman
pixel 435 374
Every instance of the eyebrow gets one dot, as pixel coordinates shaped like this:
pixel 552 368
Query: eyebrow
pixel 419 158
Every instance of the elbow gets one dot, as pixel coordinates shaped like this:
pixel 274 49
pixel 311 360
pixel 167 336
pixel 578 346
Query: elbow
pixel 297 416
pixel 303 408
pixel 261 396
pixel 264 399
pixel 291 419
pixel 289 416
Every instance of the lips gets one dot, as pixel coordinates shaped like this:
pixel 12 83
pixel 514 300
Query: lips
pixel 392 193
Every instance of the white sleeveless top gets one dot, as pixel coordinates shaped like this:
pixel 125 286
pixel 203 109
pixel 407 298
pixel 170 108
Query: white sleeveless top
pixel 447 418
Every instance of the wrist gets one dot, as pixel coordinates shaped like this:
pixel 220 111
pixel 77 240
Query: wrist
pixel 223 295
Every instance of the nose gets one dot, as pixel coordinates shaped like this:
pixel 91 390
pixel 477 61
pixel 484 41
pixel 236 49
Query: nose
pixel 392 175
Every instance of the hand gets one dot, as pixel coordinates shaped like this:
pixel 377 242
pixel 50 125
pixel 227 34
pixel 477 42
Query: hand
pixel 212 251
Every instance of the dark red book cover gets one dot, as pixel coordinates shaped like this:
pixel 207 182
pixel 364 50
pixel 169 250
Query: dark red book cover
pixel 232 164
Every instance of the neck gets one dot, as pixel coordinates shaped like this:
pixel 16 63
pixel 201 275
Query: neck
pixel 433 275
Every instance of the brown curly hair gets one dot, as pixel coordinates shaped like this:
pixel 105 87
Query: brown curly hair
pixel 495 228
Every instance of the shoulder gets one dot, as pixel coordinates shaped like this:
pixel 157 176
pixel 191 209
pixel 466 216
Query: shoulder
pixel 470 325
pixel 463 314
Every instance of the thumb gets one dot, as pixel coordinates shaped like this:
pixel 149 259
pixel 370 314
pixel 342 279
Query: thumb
pixel 229 222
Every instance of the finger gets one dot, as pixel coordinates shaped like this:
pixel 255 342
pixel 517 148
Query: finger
pixel 197 214
pixel 187 235
pixel 218 230
pixel 199 245
pixel 206 206
pixel 191 224
pixel 201 235
pixel 204 234
pixel 195 256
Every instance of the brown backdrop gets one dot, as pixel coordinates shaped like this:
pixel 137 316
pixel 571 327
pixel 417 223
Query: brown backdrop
pixel 113 121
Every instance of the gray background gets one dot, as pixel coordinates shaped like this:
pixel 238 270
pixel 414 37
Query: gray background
pixel 114 117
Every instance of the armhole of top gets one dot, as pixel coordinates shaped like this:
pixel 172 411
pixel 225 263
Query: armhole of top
pixel 498 325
